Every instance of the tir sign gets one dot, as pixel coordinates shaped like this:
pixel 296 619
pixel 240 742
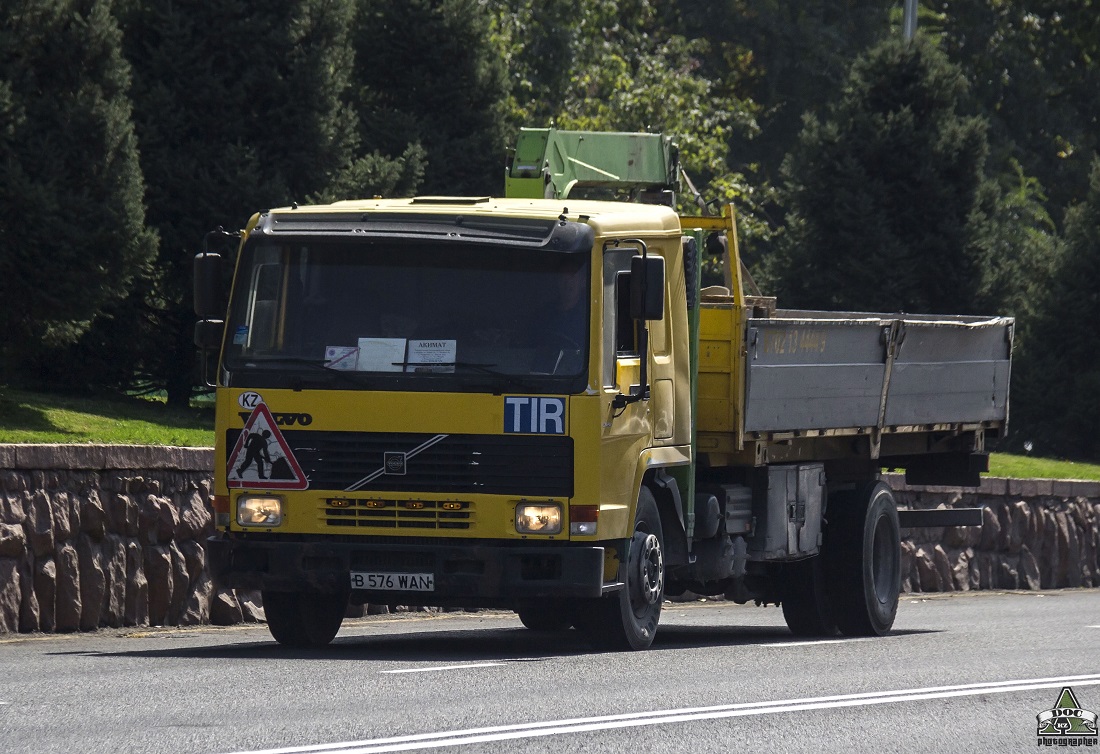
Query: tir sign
pixel 542 416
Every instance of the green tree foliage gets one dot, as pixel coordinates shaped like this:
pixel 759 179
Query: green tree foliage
pixel 71 215
pixel 788 58
pixel 1019 243
pixel 238 108
pixel 609 65
pixel 428 71
pixel 1056 384
pixel 539 40
pixel 785 59
pixel 887 195
pixel 1033 66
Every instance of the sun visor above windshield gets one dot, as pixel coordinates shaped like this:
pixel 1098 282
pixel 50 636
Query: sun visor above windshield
pixel 552 235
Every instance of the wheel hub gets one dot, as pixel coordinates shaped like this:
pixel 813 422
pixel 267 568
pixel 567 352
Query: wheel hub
pixel 650 567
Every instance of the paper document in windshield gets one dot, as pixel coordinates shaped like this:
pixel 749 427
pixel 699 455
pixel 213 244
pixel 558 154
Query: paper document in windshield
pixel 341 357
pixel 381 355
pixel 428 355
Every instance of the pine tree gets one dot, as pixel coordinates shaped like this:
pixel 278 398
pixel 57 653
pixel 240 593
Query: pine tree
pixel 238 108
pixel 1056 380
pixel 1033 64
pixel 430 72
pixel 71 216
pixel 887 195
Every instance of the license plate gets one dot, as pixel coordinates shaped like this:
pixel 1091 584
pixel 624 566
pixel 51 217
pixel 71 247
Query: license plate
pixel 396 582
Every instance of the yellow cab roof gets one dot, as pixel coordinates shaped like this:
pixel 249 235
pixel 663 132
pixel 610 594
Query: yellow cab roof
pixel 605 217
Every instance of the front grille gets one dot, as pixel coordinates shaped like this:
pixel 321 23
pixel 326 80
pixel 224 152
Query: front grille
pixel 528 465
pixel 376 513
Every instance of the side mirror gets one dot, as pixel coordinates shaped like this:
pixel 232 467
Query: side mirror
pixel 647 287
pixel 209 294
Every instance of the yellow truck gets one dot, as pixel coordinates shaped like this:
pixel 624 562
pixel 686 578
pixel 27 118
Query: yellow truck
pixel 529 403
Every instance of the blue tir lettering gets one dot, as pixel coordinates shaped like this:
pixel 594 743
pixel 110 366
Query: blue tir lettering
pixel 542 416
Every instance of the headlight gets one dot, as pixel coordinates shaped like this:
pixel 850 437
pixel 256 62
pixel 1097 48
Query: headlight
pixel 538 518
pixel 259 510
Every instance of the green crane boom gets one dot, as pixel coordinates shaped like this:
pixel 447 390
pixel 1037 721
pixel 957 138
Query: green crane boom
pixel 550 164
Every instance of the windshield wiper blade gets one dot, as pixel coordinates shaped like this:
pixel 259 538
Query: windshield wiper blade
pixel 500 381
pixel 321 364
pixel 476 366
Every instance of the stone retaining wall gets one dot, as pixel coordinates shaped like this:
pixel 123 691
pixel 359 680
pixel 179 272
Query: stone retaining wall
pixel 1035 534
pixel 110 536
pixel 94 536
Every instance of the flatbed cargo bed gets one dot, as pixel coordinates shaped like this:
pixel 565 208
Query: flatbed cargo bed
pixel 801 375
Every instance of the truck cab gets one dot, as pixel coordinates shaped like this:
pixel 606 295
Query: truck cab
pixel 449 402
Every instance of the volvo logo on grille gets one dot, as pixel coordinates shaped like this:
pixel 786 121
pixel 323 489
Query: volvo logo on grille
pixel 394 463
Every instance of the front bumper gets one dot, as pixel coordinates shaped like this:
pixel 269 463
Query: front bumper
pixel 481 574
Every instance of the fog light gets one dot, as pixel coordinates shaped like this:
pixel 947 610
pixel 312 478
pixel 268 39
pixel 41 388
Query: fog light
pixel 538 518
pixel 582 528
pixel 259 510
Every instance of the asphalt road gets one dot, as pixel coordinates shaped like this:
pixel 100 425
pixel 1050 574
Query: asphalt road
pixel 960 673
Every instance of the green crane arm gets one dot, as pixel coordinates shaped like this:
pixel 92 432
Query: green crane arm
pixel 549 164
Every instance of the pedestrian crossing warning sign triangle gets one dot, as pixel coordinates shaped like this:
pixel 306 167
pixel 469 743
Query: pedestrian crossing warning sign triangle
pixel 262 458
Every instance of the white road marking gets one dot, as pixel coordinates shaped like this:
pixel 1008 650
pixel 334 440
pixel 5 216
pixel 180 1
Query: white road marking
pixel 780 644
pixel 809 643
pixel 445 667
pixel 660 717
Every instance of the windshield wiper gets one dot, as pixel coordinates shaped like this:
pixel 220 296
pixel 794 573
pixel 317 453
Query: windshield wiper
pixel 500 381
pixel 484 368
pixel 321 364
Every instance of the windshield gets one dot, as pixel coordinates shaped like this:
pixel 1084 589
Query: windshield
pixel 419 316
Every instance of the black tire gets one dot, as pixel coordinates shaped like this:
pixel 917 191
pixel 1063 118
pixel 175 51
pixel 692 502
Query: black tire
pixel 807 607
pixel 863 559
pixel 546 616
pixel 302 619
pixel 628 618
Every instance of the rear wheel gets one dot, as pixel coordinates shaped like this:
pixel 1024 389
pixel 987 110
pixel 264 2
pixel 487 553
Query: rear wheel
pixel 304 619
pixel 807 607
pixel 628 618
pixel 863 559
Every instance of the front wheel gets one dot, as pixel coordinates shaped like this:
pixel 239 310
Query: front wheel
pixel 863 559
pixel 628 618
pixel 304 619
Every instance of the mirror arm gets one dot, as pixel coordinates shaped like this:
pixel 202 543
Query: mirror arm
pixel 621 401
